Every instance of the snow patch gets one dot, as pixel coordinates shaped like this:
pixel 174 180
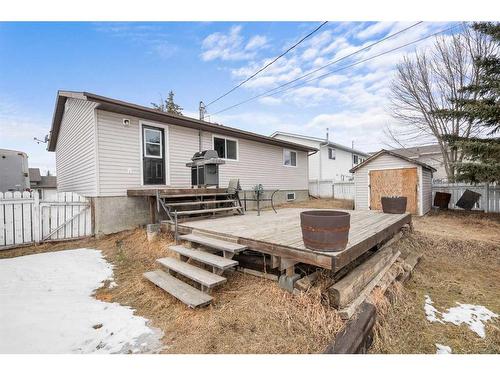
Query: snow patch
pixel 47 307
pixel 472 315
pixel 442 349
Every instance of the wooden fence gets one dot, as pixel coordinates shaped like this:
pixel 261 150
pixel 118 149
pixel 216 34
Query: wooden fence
pixel 490 194
pixel 25 219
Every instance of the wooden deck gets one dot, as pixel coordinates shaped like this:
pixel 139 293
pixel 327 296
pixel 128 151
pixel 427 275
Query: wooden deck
pixel 150 191
pixel 280 234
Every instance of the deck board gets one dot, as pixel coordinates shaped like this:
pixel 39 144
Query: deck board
pixel 280 234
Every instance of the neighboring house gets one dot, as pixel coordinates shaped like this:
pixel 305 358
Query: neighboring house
pixel 105 146
pixel 387 173
pixel 430 155
pixel 45 185
pixel 14 175
pixel 331 164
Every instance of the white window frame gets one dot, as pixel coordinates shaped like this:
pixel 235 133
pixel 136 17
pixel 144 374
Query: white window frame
pixel 166 138
pixel 334 153
pixel 290 199
pixel 144 129
pixel 225 145
pixel 296 158
pixel 353 162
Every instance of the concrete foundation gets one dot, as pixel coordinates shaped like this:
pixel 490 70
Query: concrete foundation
pixel 114 214
pixel 288 282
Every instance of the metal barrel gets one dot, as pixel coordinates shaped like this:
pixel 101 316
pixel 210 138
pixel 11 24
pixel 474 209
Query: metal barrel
pixel 325 230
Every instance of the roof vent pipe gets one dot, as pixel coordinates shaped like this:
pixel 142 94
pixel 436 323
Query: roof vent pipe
pixel 327 136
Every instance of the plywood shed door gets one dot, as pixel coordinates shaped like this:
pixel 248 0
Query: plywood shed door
pixel 390 182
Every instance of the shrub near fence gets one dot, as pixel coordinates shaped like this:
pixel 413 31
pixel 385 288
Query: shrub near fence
pixel 25 219
pixel 490 194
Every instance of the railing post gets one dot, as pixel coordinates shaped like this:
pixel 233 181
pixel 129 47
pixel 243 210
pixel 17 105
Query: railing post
pixel 176 233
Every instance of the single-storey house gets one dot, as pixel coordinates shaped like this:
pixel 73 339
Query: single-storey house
pixel 45 185
pixel 428 154
pixel 105 147
pixel 387 173
pixel 329 165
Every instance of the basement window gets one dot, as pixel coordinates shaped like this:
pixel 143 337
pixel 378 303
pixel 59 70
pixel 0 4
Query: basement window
pixel 226 148
pixel 289 158
pixel 290 196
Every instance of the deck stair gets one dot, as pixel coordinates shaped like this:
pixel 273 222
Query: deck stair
pixel 194 204
pixel 203 278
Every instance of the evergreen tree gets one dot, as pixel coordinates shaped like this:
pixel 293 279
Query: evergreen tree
pixel 168 105
pixel 481 161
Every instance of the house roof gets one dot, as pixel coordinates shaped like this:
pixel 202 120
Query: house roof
pixel 418 150
pixel 48 182
pixel 392 153
pixel 130 109
pixel 34 174
pixel 322 141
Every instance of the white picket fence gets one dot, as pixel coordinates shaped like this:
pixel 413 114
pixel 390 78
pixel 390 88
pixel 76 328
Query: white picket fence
pixel 331 189
pixel 490 194
pixel 25 219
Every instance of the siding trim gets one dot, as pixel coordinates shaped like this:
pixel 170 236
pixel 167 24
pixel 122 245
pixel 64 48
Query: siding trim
pixel 96 152
pixel 166 142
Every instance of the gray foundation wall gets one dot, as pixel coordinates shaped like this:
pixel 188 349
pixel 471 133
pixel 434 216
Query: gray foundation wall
pixel 115 214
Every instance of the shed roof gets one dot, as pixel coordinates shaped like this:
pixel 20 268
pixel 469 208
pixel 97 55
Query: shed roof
pixel 130 109
pixel 392 153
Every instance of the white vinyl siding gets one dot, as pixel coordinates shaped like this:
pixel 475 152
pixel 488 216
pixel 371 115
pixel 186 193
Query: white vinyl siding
pixel 76 149
pixel 260 163
pixel 119 154
pixel 426 190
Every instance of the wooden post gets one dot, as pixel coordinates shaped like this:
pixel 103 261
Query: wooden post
pixel 152 210
pixel 176 234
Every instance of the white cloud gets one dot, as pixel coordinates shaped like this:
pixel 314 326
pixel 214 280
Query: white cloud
pixel 374 29
pixel 270 100
pixel 231 46
pixel 256 42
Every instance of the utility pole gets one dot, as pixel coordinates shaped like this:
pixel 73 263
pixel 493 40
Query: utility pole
pixel 203 111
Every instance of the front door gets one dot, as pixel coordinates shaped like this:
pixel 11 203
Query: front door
pixel 153 155
pixel 394 182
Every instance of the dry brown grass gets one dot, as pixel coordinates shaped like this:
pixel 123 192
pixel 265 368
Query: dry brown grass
pixel 450 271
pixel 249 314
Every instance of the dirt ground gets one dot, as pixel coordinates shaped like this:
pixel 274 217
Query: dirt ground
pixel 253 315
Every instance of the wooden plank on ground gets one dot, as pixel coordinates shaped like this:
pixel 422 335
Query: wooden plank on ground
pixel 179 289
pixel 350 286
pixel 349 311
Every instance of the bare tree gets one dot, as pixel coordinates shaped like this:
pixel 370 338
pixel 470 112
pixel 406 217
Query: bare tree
pixel 428 81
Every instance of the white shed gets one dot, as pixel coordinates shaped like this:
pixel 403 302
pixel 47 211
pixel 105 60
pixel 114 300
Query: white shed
pixel 389 174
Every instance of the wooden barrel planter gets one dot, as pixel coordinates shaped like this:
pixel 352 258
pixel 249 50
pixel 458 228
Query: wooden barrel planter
pixel 325 230
pixel 394 205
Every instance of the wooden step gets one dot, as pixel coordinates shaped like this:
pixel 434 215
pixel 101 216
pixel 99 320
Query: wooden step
pixel 194 195
pixel 204 257
pixel 179 289
pixel 194 273
pixel 207 210
pixel 176 204
pixel 214 243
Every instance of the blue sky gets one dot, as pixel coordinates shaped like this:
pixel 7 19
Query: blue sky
pixel 138 62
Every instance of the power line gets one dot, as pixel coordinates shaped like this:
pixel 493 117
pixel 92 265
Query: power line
pixel 271 93
pixel 268 64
